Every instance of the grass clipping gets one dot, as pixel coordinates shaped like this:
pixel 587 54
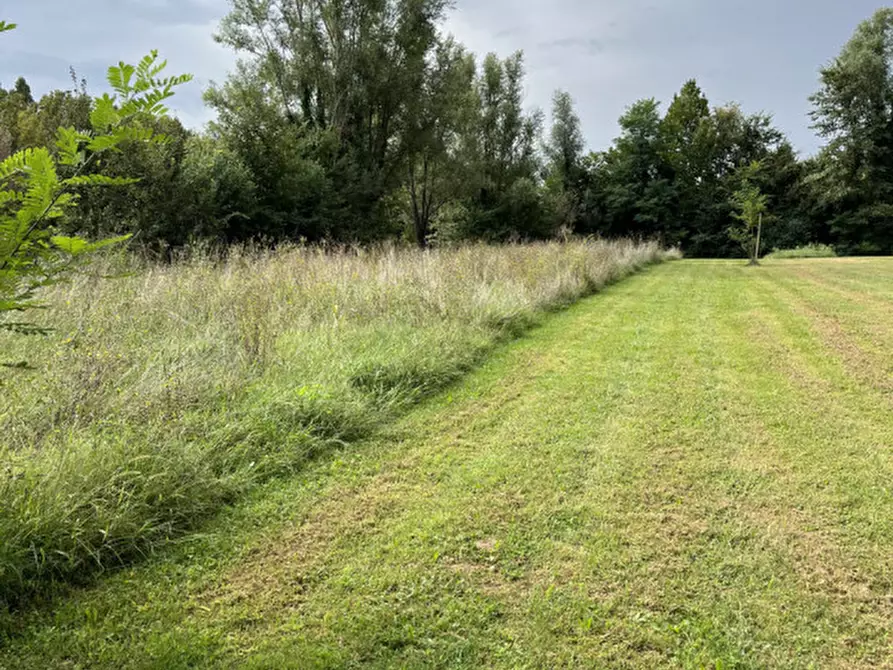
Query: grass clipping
pixel 163 395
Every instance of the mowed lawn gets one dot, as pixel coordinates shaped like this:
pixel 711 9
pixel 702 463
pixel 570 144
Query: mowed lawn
pixel 692 469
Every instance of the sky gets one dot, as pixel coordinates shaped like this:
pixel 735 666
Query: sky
pixel 763 54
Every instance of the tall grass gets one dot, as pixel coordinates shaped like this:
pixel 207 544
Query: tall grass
pixel 167 393
pixel 808 251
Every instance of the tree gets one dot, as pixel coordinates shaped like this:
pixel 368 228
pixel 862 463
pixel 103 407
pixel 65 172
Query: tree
pixel 738 139
pixel 15 104
pixel 23 90
pixel 564 151
pixel 498 148
pixel 339 80
pixel 148 209
pixel 688 145
pixel 854 110
pixel 214 192
pixel 673 176
pixel 637 180
pixel 509 201
pixel 794 219
pixel 704 149
pixel 507 136
pixel 292 165
pixel 688 135
pixel 26 123
pixel 192 188
pixel 564 147
pixel 34 197
pixel 749 204
pixel 438 117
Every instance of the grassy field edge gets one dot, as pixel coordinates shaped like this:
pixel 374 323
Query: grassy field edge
pixel 688 470
pixel 112 492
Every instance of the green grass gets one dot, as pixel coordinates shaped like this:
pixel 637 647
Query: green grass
pixel 808 251
pixel 690 470
pixel 163 396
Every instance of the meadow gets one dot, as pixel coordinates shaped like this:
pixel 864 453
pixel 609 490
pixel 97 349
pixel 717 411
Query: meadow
pixel 690 469
pixel 165 392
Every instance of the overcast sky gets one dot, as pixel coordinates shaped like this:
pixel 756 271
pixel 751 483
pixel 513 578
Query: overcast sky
pixel 764 54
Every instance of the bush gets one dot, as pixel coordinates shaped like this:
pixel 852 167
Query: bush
pixel 809 251
pixel 165 394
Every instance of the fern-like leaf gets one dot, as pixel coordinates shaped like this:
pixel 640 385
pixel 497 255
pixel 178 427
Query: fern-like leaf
pixel 104 115
pixel 42 186
pixel 102 143
pixel 32 256
pixel 7 197
pixel 119 78
pixel 14 164
pixel 70 245
pixel 68 142
pixel 133 134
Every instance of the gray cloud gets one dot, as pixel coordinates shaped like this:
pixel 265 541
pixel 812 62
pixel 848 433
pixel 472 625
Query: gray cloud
pixel 586 45
pixel 764 54
pixel 607 53
pixel 90 35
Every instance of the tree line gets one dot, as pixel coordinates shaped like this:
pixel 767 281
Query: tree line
pixel 362 121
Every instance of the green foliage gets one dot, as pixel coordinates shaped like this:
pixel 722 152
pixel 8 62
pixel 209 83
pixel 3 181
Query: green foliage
pixel 34 197
pixel 671 176
pixel 692 154
pixel 337 91
pixel 27 124
pixel 564 188
pixel 501 153
pixel 442 117
pixel 749 204
pixel 29 254
pixel 355 153
pixel 852 176
pixel 366 122
pixel 214 192
pixel 192 188
pixel 565 144
pixel 808 251
pixel 633 182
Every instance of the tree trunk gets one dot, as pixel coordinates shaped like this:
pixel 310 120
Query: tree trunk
pixel 755 259
pixel 421 216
